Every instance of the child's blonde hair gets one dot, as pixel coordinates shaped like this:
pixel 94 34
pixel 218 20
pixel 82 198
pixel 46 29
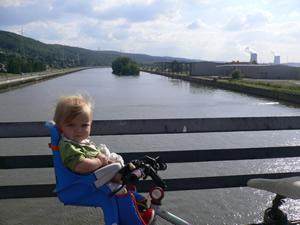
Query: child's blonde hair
pixel 68 107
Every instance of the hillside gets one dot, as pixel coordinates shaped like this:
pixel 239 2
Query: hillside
pixel 33 55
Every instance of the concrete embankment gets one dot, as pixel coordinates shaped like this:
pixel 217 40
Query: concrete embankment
pixel 29 79
pixel 281 96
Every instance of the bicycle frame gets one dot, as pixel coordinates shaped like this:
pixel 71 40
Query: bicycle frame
pixel 167 216
pixel 157 194
pixel 288 187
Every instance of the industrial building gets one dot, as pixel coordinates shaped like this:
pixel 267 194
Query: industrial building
pixel 249 70
pixel 256 71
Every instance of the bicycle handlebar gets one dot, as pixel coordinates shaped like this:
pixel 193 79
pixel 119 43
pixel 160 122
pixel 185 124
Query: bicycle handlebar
pixel 150 167
pixel 145 166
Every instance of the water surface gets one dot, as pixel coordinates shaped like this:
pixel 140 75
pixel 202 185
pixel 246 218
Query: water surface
pixel 150 96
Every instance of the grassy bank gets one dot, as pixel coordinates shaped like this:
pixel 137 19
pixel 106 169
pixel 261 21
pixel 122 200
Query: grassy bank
pixel 282 90
pixel 288 86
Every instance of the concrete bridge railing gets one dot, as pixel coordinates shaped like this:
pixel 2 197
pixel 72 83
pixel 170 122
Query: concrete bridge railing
pixel 159 126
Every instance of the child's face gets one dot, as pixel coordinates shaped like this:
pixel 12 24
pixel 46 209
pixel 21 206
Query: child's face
pixel 79 128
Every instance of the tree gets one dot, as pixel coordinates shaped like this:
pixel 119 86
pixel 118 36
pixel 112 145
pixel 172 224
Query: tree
pixel 11 66
pixel 175 66
pixel 125 66
pixel 236 74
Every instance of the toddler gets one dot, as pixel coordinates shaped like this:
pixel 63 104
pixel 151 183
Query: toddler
pixel 78 153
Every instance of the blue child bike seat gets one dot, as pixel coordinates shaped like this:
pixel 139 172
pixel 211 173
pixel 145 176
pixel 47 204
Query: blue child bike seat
pixel 91 190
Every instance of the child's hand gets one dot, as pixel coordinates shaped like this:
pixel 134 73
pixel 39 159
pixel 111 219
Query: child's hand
pixel 117 161
pixel 103 159
pixel 116 158
pixel 117 179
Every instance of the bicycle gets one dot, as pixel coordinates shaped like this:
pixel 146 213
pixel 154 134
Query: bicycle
pixel 147 166
pixel 283 188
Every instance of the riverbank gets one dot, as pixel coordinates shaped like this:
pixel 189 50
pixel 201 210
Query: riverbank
pixel 26 79
pixel 239 87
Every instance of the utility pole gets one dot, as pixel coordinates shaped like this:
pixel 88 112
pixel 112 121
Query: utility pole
pixel 22 49
pixel 63 58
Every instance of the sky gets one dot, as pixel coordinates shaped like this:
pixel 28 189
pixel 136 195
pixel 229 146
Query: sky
pixel 212 30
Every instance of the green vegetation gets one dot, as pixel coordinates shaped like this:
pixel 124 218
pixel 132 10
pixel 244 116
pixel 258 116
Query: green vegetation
pixel 288 86
pixel 175 66
pixel 17 65
pixel 125 66
pixel 21 54
pixel 236 74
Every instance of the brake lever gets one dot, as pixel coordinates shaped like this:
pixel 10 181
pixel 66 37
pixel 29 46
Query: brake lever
pixel 157 179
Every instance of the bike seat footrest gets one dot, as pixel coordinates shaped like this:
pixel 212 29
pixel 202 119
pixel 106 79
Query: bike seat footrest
pixel 106 173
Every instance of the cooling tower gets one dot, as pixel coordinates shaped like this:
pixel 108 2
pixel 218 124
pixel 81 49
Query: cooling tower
pixel 276 59
pixel 253 57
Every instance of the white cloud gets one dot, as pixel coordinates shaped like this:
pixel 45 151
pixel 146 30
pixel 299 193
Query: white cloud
pixel 133 10
pixel 16 3
pixel 249 50
pixel 257 18
pixel 51 32
pixel 294 14
pixel 233 9
pixel 254 19
pixel 274 52
pixel 203 29
pixel 236 22
pixel 196 24
pixel 104 5
pixel 204 1
pixel 266 2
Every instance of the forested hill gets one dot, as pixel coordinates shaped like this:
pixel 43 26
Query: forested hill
pixel 32 53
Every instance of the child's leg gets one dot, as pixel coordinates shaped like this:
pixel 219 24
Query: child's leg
pixel 140 205
pixel 128 212
pixel 141 200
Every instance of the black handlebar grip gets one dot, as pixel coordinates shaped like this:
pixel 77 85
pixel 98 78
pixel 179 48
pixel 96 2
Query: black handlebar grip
pixel 134 176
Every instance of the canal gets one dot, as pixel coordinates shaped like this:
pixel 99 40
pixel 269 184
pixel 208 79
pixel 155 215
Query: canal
pixel 149 97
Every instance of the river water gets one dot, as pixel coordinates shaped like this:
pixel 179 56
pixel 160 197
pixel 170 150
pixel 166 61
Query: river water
pixel 150 96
